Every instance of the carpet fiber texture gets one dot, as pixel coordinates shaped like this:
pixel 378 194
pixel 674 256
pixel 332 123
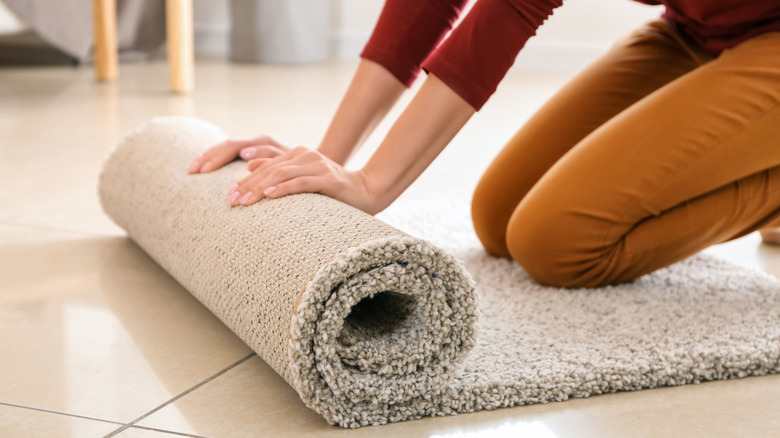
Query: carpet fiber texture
pixel 372 325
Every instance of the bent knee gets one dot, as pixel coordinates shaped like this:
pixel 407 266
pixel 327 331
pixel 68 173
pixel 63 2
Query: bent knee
pixel 490 220
pixel 553 255
pixel 542 265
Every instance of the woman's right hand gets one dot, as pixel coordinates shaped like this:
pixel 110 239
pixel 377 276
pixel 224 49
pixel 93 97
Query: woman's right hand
pixel 230 149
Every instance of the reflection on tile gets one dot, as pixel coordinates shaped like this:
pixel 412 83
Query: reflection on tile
pixel 536 429
pixel 689 411
pixel 80 212
pixel 35 183
pixel 251 400
pixel 28 423
pixel 93 327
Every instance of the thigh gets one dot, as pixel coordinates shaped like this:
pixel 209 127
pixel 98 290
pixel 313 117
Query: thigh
pixel 637 65
pixel 695 161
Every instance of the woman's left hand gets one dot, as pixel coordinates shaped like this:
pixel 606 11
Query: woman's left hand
pixel 302 170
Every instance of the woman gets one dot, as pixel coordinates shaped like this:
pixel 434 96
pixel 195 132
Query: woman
pixel 667 144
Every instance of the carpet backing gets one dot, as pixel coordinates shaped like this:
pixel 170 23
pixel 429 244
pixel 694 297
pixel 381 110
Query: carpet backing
pixel 371 324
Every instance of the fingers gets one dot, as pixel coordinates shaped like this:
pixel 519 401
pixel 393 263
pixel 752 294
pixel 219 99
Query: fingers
pixel 260 185
pixel 227 151
pixel 257 187
pixel 301 184
pixel 265 151
pixel 200 165
pixel 254 164
pixel 217 156
pixel 295 171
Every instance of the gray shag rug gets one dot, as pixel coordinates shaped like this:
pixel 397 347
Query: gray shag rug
pixel 370 324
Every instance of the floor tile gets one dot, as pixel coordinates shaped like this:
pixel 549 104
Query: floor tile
pixel 135 432
pixel 251 400
pixel 91 326
pixel 80 212
pixel 16 422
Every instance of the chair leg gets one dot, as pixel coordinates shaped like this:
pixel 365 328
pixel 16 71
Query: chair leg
pixel 181 62
pixel 105 48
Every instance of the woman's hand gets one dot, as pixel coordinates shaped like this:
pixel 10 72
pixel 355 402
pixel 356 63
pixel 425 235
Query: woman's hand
pixel 227 151
pixel 302 170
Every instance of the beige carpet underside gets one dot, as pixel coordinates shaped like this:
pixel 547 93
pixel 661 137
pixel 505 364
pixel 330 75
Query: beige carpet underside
pixel 371 324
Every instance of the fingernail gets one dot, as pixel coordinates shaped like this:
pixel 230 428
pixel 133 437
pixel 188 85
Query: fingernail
pixel 269 190
pixel 246 198
pixel 194 166
pixel 248 153
pixel 232 189
pixel 206 167
pixel 233 197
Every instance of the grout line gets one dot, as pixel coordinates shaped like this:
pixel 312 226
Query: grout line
pixel 219 373
pixel 100 420
pixel 60 413
pixel 170 432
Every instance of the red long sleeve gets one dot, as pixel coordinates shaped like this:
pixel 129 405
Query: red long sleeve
pixel 407 31
pixel 477 55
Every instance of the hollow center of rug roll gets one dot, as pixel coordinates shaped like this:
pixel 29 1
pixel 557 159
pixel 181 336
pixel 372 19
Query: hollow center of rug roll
pixel 376 317
pixel 390 320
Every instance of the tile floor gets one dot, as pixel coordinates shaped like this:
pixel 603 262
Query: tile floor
pixel 96 340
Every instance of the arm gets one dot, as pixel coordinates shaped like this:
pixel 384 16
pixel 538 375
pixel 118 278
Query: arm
pixel 370 96
pixel 407 31
pixel 432 119
pixel 463 74
pixel 427 125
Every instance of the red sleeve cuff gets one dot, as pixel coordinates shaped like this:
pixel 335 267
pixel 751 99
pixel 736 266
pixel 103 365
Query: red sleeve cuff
pixel 407 31
pixel 477 55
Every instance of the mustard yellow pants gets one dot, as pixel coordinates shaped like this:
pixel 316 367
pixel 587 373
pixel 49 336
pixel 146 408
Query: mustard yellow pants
pixel 649 155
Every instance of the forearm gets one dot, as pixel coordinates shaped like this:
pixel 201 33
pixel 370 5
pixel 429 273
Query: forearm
pixel 431 120
pixel 370 96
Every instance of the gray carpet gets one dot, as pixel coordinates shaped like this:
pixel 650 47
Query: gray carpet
pixel 372 325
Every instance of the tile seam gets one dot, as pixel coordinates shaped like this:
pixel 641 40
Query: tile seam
pixel 170 432
pixel 49 411
pixel 174 399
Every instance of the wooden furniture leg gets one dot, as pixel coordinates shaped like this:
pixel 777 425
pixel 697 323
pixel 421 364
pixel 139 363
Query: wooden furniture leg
pixel 104 22
pixel 181 63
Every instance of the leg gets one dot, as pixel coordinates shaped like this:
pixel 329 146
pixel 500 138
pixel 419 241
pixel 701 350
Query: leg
pixel 693 164
pixel 181 63
pixel 637 65
pixel 104 23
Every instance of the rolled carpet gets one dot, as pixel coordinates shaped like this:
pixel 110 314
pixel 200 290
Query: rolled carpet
pixel 363 320
pixel 371 325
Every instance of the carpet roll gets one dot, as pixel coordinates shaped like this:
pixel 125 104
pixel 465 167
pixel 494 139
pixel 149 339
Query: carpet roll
pixel 361 319
pixel 371 325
